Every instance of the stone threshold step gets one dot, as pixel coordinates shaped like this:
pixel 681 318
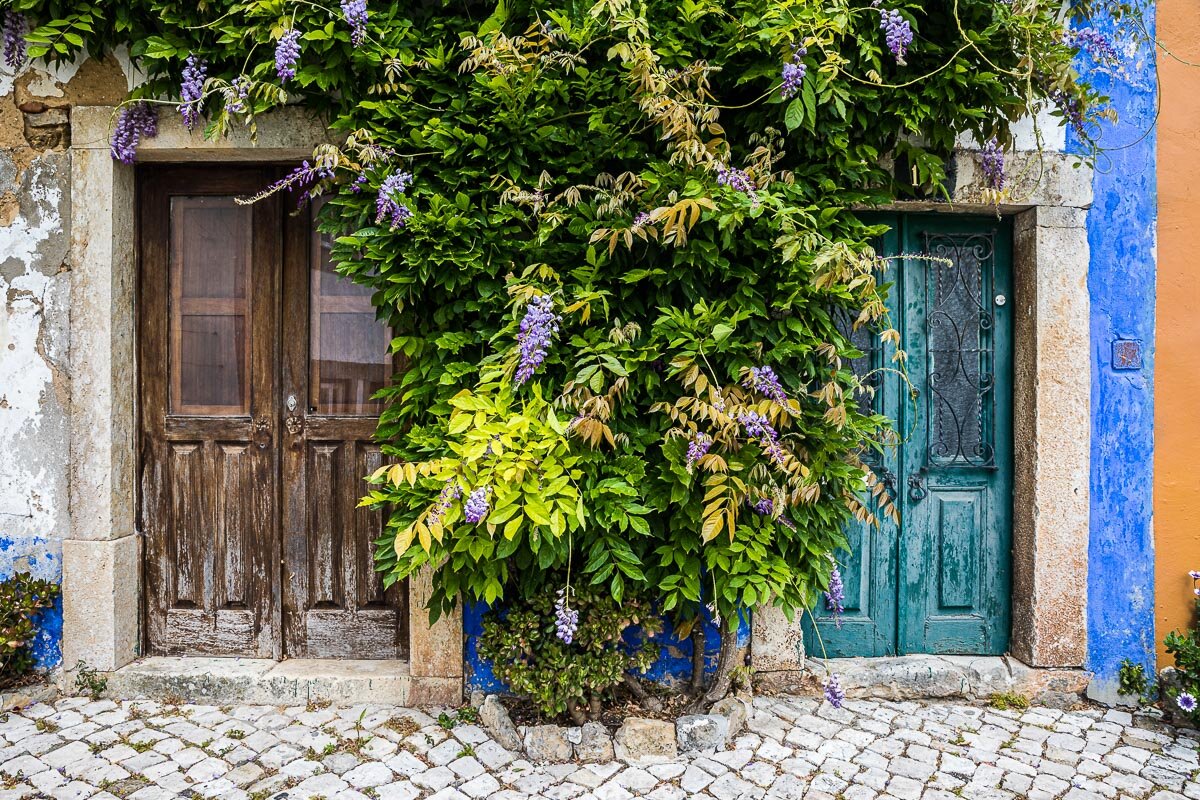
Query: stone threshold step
pixel 929 677
pixel 295 681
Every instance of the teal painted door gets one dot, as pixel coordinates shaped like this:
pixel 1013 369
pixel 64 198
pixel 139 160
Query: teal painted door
pixel 938 581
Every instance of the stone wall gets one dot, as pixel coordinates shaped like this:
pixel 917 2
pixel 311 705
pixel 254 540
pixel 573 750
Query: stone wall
pixel 1121 287
pixel 35 302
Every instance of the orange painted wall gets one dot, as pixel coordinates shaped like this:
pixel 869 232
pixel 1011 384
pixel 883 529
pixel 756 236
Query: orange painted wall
pixel 1177 361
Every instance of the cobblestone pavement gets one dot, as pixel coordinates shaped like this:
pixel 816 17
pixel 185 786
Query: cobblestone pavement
pixel 793 748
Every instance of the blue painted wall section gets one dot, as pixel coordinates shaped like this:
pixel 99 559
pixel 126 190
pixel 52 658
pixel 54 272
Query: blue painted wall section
pixel 674 663
pixel 42 558
pixel 1121 285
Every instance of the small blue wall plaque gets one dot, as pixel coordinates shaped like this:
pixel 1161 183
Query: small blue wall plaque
pixel 1126 354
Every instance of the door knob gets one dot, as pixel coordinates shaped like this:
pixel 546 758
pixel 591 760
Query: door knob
pixel 916 488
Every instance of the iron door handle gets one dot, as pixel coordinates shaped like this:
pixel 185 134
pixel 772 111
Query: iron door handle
pixel 916 487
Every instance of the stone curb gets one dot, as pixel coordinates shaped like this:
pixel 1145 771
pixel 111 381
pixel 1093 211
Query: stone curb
pixel 25 696
pixel 639 741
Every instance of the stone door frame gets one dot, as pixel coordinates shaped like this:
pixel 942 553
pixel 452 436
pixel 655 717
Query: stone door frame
pixel 102 552
pixel 1051 412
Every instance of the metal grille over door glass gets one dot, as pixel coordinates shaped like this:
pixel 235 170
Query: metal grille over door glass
pixel 959 331
pixel 865 368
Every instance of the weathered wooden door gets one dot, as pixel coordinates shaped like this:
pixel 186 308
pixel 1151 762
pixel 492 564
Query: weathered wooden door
pixel 939 581
pixel 257 367
pixel 210 462
pixel 336 358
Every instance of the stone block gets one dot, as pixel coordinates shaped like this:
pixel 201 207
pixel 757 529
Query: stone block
pixel 434 650
pixel 226 681
pixel 285 134
pixel 1037 179
pixel 645 741
pixel 547 743
pixel 100 602
pixel 775 643
pixel 595 745
pixel 494 718
pixel 734 709
pixel 702 732
pixel 103 342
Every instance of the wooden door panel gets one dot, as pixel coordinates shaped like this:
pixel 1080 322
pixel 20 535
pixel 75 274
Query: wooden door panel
pixel 868 568
pixel 959 519
pixel 347 610
pixel 186 491
pixel 938 582
pixel 209 377
pixel 955 557
pixel 334 360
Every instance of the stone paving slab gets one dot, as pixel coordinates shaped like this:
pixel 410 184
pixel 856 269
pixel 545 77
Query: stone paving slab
pixel 794 748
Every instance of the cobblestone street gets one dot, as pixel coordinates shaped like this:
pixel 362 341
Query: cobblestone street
pixel 793 748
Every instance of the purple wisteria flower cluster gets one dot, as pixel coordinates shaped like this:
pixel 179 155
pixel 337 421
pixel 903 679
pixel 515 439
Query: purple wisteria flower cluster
pixel 477 505
pixel 191 90
pixel 136 121
pixel 764 507
pixel 697 448
pixel 758 427
pixel 765 381
pixel 298 180
pixel 355 12
pixel 287 53
pixel 538 327
pixel 737 179
pixel 1095 43
pixel 992 159
pixel 641 220
pixel 835 596
pixel 451 491
pixel 834 692
pixel 1068 106
pixel 15 28
pixel 237 94
pixel 897 32
pixel 389 204
pixel 793 73
pixel 566 619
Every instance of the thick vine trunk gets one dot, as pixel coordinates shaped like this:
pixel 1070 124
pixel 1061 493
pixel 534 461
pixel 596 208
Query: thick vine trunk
pixel 639 691
pixel 698 644
pixel 725 665
pixel 575 710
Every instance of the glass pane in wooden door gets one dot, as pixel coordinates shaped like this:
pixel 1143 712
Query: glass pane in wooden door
pixel 348 345
pixel 209 306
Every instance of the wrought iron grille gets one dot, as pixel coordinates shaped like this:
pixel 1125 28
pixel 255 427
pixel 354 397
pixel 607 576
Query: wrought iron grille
pixel 959 340
pixel 865 368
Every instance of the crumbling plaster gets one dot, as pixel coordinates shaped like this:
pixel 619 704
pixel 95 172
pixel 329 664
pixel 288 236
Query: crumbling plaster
pixel 35 304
